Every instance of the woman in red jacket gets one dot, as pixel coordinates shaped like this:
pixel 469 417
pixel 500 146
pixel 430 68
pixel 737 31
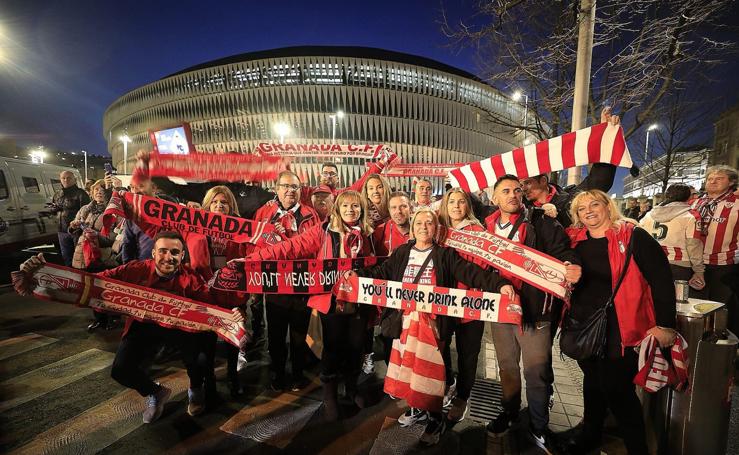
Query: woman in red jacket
pixel 208 254
pixel 643 305
pixel 346 234
pixel 456 212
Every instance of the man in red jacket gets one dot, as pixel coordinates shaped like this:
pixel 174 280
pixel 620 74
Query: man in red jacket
pixel 284 312
pixel 140 341
pixel 394 232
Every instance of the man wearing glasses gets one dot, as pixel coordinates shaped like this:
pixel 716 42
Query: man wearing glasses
pixel 290 218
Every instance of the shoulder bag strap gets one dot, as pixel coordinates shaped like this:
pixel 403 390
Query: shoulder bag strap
pixel 423 267
pixel 517 224
pixel 629 250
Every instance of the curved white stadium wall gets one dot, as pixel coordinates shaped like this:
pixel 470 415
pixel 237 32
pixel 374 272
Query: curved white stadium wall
pixel 424 114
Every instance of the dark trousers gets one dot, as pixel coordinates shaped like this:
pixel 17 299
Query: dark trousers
pixel 343 345
pixel 281 319
pixel 608 384
pixel 140 344
pixel 721 285
pixel 66 247
pixel 468 340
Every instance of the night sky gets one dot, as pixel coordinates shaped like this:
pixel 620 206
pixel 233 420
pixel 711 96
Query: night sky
pixel 63 62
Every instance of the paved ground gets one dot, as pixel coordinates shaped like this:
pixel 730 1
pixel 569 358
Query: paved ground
pixel 56 396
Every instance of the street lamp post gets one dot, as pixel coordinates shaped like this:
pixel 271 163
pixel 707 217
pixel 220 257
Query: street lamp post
pixel 652 127
pixel 125 139
pixel 333 117
pixel 517 97
pixel 282 129
pixel 85 153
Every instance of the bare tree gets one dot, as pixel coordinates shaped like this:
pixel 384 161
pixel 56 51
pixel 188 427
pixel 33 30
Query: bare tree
pixel 643 51
pixel 683 118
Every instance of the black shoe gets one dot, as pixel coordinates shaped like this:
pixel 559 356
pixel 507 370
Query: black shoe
pixel 96 324
pixel 278 384
pixel 582 443
pixel 544 439
pixel 235 389
pixel 434 429
pixel 299 383
pixel 502 424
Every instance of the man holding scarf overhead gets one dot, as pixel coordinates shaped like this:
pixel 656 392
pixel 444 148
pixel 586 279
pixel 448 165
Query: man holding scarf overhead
pixel 533 343
pixel 539 191
pixel 290 218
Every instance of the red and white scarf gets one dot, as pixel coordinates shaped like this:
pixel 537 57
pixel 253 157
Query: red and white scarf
pixel 65 285
pixel 602 143
pixel 656 372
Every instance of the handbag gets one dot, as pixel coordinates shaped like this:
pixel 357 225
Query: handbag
pixel 580 340
pixel 391 320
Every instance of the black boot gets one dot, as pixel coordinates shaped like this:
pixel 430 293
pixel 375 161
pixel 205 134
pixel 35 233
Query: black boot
pixel 353 394
pixel 330 405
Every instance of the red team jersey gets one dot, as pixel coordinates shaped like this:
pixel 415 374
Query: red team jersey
pixel 721 239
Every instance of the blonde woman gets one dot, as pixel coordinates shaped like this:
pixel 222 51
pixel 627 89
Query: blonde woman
pixel 346 234
pixel 208 254
pixel 644 304
pixel 456 212
pixel 376 193
pixel 422 260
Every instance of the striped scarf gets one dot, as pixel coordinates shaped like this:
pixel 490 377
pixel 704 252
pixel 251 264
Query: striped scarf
pixel 706 208
pixel 656 372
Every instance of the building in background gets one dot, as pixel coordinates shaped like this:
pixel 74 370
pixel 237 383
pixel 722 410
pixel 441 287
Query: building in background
pixel 425 110
pixel 726 138
pixel 687 166
pixel 48 155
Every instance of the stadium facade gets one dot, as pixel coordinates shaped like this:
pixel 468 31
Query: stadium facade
pixel 428 112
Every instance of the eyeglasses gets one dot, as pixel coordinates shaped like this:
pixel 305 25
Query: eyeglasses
pixel 329 174
pixel 288 187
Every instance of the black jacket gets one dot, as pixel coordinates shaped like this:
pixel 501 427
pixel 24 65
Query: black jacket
pixel 545 234
pixel 449 269
pixel 600 177
pixel 67 202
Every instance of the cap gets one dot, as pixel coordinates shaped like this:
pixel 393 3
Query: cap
pixel 322 189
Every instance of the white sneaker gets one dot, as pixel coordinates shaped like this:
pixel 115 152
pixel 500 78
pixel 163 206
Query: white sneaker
pixel 241 361
pixel 411 416
pixel 451 393
pixel 368 365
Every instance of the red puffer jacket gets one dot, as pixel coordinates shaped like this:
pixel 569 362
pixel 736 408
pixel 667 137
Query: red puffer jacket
pixel 318 242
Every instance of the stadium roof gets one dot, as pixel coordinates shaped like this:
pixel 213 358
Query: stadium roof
pixel 334 51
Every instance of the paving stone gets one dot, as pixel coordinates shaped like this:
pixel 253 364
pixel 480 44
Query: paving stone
pixel 566 398
pixel 573 410
pixel 559 419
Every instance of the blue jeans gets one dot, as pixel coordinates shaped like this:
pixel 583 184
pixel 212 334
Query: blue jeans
pixel 66 245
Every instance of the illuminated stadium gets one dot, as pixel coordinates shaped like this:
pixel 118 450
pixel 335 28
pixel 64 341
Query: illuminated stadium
pixel 426 111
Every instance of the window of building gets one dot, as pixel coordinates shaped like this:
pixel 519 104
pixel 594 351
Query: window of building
pixel 30 184
pixel 3 186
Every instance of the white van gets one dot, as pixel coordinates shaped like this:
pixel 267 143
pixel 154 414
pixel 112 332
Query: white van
pixel 25 189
